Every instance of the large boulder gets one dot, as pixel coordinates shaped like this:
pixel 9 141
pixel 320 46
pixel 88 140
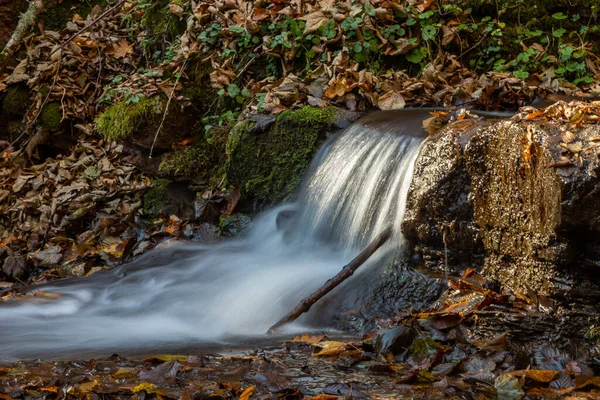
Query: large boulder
pixel 524 193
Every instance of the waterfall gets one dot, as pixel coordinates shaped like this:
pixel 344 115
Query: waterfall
pixel 183 295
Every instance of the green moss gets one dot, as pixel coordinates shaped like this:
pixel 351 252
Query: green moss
pixel 158 18
pixel 162 26
pixel 204 160
pixel 121 120
pixel 16 101
pixel 51 116
pixel 155 198
pixel 268 167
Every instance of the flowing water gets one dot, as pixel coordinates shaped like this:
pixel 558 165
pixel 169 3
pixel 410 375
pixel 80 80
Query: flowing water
pixel 185 295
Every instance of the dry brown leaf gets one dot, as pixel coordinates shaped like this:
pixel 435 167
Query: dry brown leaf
pixel 538 375
pixel 122 49
pixel 391 100
pixel 314 21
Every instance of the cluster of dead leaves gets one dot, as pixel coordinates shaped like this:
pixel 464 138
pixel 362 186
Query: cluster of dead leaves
pixel 79 70
pixel 441 349
pixel 572 118
pixel 73 215
pixel 339 79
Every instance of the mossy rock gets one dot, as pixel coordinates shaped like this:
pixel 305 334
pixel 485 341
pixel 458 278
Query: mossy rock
pixel 51 116
pixel 233 225
pixel 168 198
pixel 205 160
pixel 121 120
pixel 16 101
pixel 268 166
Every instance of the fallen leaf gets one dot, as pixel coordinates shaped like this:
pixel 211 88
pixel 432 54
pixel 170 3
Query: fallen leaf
pixel 391 100
pixel 328 348
pixel 247 393
pixel 306 338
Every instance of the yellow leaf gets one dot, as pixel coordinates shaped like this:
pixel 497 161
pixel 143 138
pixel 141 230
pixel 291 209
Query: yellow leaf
pixel 247 393
pixel 328 348
pixel 147 387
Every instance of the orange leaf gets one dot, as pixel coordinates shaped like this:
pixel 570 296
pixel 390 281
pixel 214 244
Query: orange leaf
pixel 306 338
pixel 247 393
pixel 538 375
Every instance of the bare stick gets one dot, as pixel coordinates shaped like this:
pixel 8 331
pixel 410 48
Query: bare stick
pixel 162 122
pixel 344 274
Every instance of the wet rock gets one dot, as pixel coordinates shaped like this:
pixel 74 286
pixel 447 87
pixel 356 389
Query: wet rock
pixel 169 198
pixel 539 217
pixel 517 193
pixel 439 207
pixel 234 225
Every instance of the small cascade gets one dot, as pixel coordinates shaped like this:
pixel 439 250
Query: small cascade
pixel 358 188
pixel 182 296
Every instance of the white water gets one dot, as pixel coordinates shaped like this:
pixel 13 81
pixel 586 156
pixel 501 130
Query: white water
pixel 183 295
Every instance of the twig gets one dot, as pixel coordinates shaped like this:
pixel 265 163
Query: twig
pixel 331 284
pixel 167 106
pixel 79 32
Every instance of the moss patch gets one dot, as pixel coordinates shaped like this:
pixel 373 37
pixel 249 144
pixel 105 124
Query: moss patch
pixel 121 120
pixel 16 101
pixel 51 116
pixel 154 199
pixel 204 160
pixel 268 167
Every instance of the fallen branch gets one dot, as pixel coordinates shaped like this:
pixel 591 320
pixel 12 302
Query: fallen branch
pixel 26 22
pixel 344 274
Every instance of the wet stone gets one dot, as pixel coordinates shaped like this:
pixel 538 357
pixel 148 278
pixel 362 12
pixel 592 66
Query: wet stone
pixel 514 198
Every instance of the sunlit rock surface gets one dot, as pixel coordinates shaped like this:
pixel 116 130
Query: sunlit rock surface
pixel 526 193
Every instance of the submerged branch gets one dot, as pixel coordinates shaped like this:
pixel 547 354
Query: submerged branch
pixel 331 284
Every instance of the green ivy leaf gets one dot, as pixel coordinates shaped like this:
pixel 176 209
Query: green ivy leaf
pixel 559 32
pixel 521 74
pixel 233 90
pixel 358 47
pixel 416 55
pixel 559 16
pixel 428 32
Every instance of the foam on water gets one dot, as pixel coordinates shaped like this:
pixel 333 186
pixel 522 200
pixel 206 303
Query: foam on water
pixel 187 294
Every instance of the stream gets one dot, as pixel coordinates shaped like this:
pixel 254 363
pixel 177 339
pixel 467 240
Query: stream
pixel 184 295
